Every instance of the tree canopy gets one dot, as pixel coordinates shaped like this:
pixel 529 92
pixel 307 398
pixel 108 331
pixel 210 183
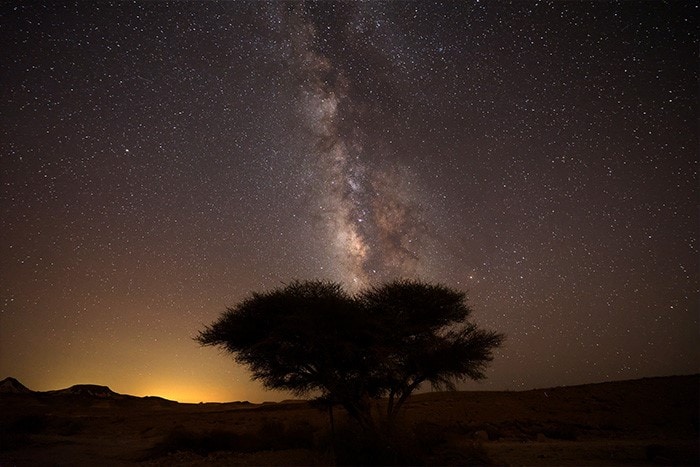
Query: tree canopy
pixel 425 337
pixel 313 337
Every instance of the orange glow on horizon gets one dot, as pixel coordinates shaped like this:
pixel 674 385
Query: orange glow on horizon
pixel 187 393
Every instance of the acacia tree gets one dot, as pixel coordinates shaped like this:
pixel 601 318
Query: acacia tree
pixel 307 337
pixel 425 337
pixel 384 342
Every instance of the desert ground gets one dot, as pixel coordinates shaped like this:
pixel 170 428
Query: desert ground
pixel 652 421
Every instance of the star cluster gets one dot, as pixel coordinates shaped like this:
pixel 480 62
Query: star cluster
pixel 161 160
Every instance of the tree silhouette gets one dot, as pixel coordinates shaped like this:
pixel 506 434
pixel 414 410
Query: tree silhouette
pixel 305 337
pixel 312 337
pixel 425 337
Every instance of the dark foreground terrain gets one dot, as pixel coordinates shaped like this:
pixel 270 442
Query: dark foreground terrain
pixel 651 421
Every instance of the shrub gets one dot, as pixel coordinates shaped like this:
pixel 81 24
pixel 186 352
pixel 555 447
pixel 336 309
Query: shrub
pixel 202 443
pixel 560 431
pixel 29 425
pixel 275 435
pixel 17 433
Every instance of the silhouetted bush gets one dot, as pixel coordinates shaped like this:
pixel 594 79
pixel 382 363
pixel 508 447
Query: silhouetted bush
pixel 11 441
pixel 423 444
pixel 427 437
pixel 275 435
pixel 16 433
pixel 562 432
pixel 70 427
pixel 471 453
pixel 271 436
pixel 354 446
pixel 29 425
pixel 203 443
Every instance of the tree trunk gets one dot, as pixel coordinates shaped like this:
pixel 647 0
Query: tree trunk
pixel 390 405
pixel 362 413
pixel 396 405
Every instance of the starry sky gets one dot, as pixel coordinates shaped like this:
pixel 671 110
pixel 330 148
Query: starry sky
pixel 159 161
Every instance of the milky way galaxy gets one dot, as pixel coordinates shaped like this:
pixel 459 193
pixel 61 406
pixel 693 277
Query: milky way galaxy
pixel 160 161
pixel 367 210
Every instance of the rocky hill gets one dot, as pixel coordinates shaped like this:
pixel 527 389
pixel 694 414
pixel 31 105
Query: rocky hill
pixel 12 386
pixel 91 390
pixel 87 393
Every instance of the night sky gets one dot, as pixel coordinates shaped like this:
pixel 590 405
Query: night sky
pixel 159 161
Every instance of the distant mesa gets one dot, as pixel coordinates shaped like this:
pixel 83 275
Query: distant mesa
pixel 80 393
pixel 91 390
pixel 12 386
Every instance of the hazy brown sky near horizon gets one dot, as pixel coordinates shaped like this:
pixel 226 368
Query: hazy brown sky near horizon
pixel 162 160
